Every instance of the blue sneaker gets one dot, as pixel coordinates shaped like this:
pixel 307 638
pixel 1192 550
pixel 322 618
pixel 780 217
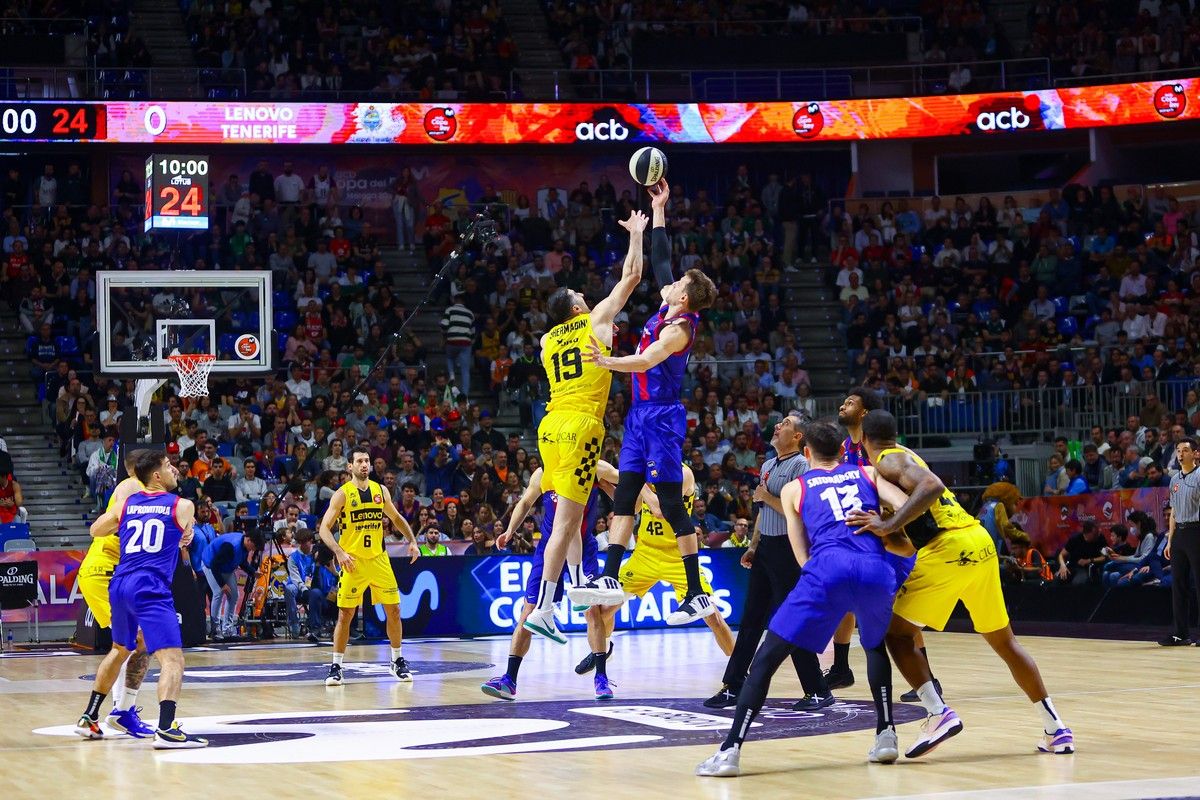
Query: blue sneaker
pixel 501 688
pixel 604 687
pixel 128 721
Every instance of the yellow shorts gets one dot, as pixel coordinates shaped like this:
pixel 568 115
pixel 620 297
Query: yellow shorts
pixel 957 565
pixel 648 565
pixel 569 444
pixel 374 572
pixel 93 583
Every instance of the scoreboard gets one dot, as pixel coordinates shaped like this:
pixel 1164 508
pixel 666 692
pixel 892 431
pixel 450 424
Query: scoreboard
pixel 176 193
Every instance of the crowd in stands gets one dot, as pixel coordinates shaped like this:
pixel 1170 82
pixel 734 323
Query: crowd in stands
pixel 1084 40
pixel 1069 305
pixel 444 50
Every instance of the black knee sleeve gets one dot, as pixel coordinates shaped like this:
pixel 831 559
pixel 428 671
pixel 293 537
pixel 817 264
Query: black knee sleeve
pixel 629 487
pixel 670 500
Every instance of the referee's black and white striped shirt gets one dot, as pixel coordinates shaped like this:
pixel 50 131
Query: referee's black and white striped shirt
pixel 1185 496
pixel 458 324
pixel 778 473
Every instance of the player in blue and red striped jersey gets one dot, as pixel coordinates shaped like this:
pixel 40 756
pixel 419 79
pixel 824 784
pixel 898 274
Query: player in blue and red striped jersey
pixel 859 401
pixel 152 524
pixel 656 426
pixel 841 573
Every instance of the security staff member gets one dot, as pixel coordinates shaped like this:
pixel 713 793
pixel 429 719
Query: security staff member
pixel 773 573
pixel 1183 539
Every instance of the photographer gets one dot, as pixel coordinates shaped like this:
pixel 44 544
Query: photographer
pixel 301 567
pixel 439 468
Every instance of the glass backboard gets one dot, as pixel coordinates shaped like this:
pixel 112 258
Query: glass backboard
pixel 146 315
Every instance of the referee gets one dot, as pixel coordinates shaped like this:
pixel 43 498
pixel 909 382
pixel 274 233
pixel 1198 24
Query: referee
pixel 773 574
pixel 1183 540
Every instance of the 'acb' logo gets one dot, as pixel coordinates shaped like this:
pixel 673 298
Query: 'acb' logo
pixel 1011 119
pixel 808 122
pixel 606 131
pixel 1170 100
pixel 441 124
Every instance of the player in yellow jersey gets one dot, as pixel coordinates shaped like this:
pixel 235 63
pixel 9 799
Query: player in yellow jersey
pixel 95 574
pixel 572 431
pixel 657 558
pixel 361 504
pixel 956 560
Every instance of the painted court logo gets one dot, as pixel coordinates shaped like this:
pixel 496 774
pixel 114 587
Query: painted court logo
pixel 495 729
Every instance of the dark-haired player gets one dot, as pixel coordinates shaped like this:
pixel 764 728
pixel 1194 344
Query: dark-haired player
pixel 152 525
pixel 956 561
pixel 859 401
pixel 841 573
pixel 361 504
pixel 656 425
pixel 571 433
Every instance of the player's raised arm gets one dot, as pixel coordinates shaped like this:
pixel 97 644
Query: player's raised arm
pixel 401 525
pixel 325 530
pixel 797 536
pixel 660 243
pixel 673 339
pixel 522 507
pixel 631 276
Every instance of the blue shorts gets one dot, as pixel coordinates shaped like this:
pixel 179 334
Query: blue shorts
pixel 653 444
pixel 591 568
pixel 835 582
pixel 146 603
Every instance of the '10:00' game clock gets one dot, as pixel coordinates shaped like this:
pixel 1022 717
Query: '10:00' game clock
pixel 176 193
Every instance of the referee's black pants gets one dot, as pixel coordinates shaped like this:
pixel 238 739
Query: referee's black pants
pixel 1185 573
pixel 774 574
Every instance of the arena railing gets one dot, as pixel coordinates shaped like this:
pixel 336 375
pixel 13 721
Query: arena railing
pixel 122 83
pixel 769 27
pixel 1126 77
pixel 830 83
pixel 1031 414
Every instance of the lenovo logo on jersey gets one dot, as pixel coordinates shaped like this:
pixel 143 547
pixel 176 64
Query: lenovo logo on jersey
pixel 608 131
pixel 1010 120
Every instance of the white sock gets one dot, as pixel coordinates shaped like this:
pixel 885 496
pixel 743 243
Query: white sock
pixel 931 699
pixel 129 700
pixel 576 573
pixel 395 652
pixel 337 658
pixel 546 596
pixel 118 688
pixel 1051 722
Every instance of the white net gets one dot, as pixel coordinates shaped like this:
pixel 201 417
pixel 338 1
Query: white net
pixel 193 369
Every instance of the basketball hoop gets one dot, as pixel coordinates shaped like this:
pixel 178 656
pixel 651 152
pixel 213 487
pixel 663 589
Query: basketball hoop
pixel 193 369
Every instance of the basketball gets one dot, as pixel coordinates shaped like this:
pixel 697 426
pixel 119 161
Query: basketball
pixel 648 166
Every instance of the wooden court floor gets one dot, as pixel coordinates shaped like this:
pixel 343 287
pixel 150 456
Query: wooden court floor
pixel 1133 707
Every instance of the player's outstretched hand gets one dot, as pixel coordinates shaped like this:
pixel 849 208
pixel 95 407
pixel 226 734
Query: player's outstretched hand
pixel 502 540
pixel 868 522
pixel 413 552
pixel 593 354
pixel 660 193
pixel 636 223
pixel 346 561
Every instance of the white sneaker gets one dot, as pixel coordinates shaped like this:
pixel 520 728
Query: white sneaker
pixel 694 608
pixel 936 729
pixel 886 749
pixel 542 622
pixel 722 764
pixel 603 591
